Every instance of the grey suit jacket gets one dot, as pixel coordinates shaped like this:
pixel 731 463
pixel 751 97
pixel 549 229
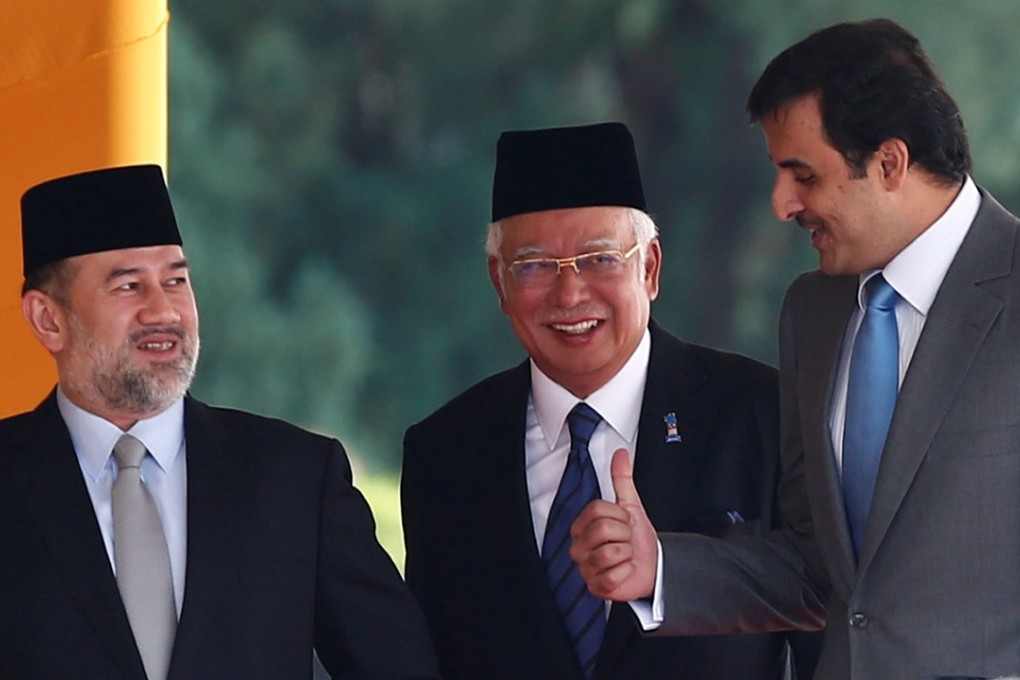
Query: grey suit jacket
pixel 937 588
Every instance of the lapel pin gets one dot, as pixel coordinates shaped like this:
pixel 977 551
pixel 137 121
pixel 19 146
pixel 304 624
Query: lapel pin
pixel 671 434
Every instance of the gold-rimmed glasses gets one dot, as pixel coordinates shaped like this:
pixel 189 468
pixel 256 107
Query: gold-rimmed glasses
pixel 540 272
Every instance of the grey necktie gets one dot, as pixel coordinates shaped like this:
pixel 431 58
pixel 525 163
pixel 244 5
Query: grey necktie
pixel 143 561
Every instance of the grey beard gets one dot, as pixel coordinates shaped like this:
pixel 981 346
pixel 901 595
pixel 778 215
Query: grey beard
pixel 139 392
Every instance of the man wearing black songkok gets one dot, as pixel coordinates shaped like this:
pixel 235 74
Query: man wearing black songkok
pixel 575 259
pixel 265 550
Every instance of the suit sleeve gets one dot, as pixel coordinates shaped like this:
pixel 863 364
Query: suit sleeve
pixel 744 584
pixel 367 624
pixel 418 514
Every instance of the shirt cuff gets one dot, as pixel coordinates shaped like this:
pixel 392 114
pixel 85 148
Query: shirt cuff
pixel 651 612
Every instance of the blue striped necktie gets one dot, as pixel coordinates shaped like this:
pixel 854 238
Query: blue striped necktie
pixel 870 401
pixel 584 615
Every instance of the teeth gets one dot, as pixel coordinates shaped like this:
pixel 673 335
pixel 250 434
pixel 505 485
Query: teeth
pixel 576 328
pixel 163 346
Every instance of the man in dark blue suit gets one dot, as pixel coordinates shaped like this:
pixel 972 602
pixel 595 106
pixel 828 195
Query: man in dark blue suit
pixel 260 550
pixel 575 262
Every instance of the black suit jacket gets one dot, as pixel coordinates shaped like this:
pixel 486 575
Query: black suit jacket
pixel 472 559
pixel 281 556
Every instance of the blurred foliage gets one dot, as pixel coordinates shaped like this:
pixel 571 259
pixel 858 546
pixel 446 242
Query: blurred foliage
pixel 331 162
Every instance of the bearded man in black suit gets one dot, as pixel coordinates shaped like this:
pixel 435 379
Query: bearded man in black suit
pixel 258 548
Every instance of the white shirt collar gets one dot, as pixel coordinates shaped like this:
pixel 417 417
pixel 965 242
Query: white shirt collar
pixel 618 401
pixel 93 437
pixel 917 271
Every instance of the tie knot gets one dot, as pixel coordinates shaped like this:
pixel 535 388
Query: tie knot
pixel 128 451
pixel 881 295
pixel 582 421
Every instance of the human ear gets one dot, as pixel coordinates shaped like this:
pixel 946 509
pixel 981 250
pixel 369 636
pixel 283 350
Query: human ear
pixel 653 265
pixel 893 162
pixel 46 319
pixel 496 276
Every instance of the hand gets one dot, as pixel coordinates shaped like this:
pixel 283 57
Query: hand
pixel 614 543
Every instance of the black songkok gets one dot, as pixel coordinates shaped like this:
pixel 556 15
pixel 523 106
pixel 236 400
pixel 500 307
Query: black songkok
pixel 566 167
pixel 90 212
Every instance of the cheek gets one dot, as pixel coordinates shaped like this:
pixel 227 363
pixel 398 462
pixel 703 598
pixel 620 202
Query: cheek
pixel 520 309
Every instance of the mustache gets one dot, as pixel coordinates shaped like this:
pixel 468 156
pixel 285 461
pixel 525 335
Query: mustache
pixel 808 222
pixel 584 311
pixel 176 331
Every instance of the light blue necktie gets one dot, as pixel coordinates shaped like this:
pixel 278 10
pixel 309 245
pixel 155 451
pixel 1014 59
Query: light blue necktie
pixel 870 401
pixel 584 615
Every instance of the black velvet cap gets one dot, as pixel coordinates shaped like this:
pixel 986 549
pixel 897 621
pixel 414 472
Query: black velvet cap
pixel 90 212
pixel 566 167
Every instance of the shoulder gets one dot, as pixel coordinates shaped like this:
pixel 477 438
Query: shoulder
pixel 813 289
pixel 497 393
pixel 27 425
pixel 244 426
pixel 993 211
pixel 817 282
pixel 716 365
pixel 19 422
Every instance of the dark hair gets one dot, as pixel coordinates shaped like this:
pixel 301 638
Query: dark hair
pixel 51 278
pixel 873 83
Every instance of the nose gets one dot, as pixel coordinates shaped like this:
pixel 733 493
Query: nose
pixel 158 309
pixel 569 288
pixel 785 201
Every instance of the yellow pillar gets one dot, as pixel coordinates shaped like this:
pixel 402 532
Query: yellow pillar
pixel 82 85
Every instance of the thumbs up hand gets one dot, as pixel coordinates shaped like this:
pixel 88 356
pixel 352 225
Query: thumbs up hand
pixel 614 543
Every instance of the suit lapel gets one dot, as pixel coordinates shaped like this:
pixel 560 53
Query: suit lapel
pixel 504 470
pixel 49 477
pixel 819 344
pixel 959 320
pixel 216 497
pixel 661 467
pixel 665 467
pixel 664 464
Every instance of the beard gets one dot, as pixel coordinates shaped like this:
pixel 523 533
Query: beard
pixel 107 375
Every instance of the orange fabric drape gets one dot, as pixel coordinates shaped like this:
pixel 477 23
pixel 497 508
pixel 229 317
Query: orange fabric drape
pixel 83 85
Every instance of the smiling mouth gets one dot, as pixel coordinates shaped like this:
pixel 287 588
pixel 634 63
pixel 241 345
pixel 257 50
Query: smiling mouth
pixel 143 338
pixel 158 346
pixel 813 225
pixel 575 328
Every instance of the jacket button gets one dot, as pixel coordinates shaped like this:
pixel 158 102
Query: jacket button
pixel 858 620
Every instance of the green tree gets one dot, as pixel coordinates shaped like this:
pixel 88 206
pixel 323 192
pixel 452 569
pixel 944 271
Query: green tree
pixel 332 162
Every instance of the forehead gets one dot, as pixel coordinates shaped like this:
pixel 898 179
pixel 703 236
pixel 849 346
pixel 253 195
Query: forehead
pixel 794 132
pixel 566 230
pixel 111 262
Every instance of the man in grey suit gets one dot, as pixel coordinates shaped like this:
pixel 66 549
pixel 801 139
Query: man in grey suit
pixel 910 548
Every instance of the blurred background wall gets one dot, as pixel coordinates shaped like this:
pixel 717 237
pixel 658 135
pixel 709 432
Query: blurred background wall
pixel 83 84
pixel 331 163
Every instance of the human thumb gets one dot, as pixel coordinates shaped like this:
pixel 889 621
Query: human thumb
pixel 623 479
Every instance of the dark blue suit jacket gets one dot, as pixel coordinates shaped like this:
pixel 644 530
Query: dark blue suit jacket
pixel 281 557
pixel 472 559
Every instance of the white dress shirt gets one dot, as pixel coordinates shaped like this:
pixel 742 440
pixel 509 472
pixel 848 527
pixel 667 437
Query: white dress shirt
pixel 164 473
pixel 916 274
pixel 547 443
pixel 547 437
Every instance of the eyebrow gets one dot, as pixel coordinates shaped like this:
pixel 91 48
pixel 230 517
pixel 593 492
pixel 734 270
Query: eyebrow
pixel 176 265
pixel 794 164
pixel 593 246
